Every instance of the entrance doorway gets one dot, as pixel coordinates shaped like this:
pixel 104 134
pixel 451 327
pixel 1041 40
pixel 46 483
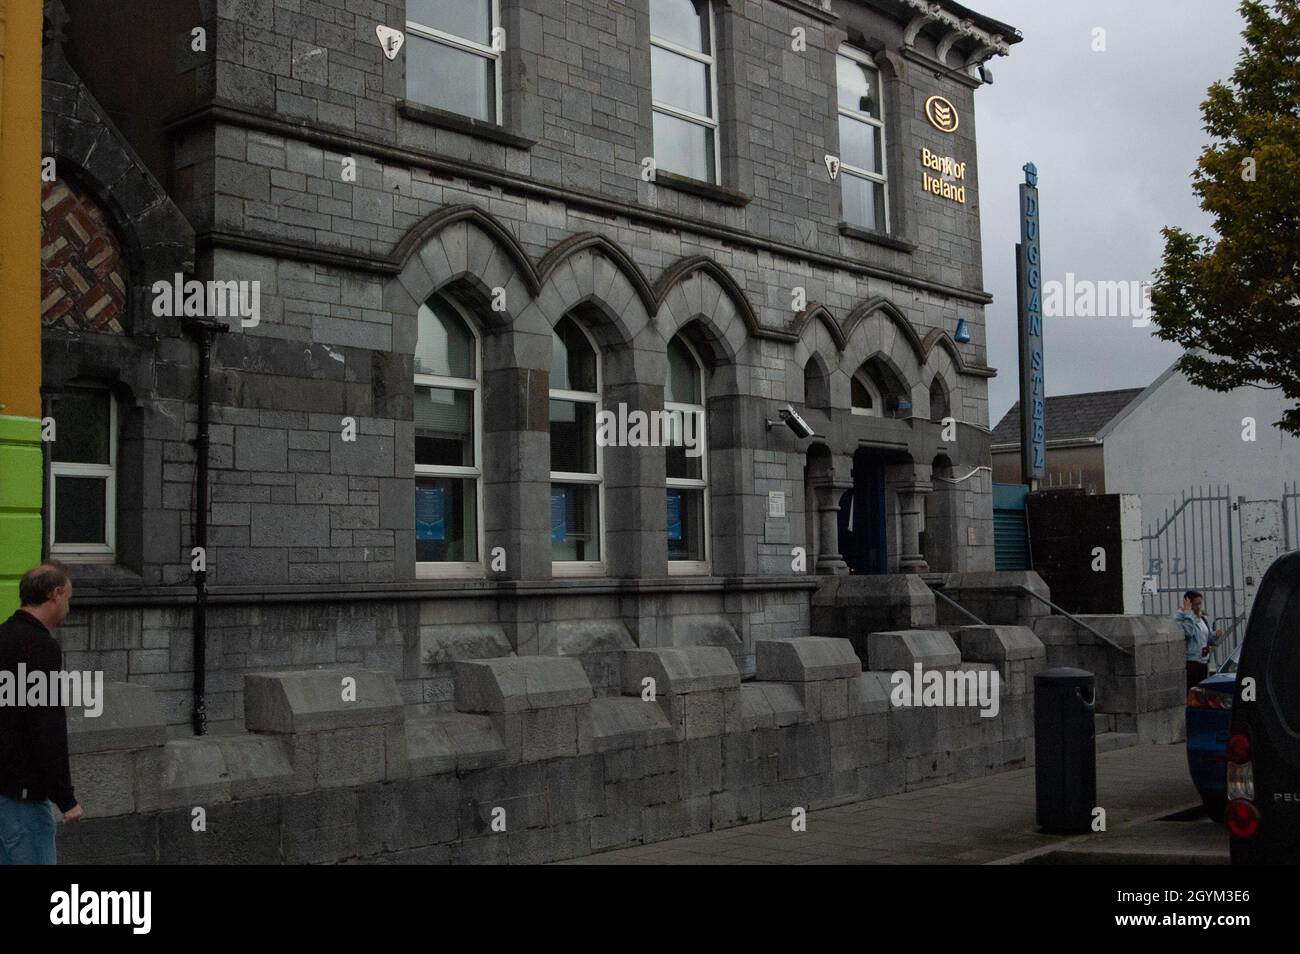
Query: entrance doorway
pixel 862 516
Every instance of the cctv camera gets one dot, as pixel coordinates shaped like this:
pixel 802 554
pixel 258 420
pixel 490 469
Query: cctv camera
pixel 796 423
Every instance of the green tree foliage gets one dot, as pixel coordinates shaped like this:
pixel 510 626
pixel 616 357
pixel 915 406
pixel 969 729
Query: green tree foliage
pixel 1234 301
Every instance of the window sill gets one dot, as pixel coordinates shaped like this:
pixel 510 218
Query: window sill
pixel 689 568
pixel 876 238
pixel 449 571
pixel 455 122
pixel 706 190
pixel 577 568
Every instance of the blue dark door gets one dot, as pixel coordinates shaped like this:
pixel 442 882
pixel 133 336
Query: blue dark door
pixel 862 518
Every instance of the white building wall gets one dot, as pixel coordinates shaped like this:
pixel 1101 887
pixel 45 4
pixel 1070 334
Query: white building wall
pixel 1177 437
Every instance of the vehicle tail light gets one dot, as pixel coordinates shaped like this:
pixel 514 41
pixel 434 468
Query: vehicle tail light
pixel 1199 698
pixel 1242 818
pixel 1241 780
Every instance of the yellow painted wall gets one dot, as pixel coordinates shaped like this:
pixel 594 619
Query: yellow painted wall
pixel 20 292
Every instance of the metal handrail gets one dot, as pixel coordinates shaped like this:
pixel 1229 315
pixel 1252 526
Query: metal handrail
pixel 955 605
pixel 1070 616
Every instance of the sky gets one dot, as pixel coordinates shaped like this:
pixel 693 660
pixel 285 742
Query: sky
pixel 1115 135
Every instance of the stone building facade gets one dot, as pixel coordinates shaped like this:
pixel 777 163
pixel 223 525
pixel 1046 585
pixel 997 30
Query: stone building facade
pixel 435 232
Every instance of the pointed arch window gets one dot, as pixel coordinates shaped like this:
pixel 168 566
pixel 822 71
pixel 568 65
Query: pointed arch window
pixel 577 490
pixel 940 407
pixel 448 472
pixel 687 460
pixel 867 400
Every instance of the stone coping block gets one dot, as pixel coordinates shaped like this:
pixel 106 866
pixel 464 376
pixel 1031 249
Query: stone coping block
pixel 446 643
pixel 1155 643
pixel 679 670
pixel 313 700
pixel 625 722
pixel 806 659
pixel 518 683
pixel 787 707
pixel 705 631
pixel 998 644
pixel 901 649
pixel 770 705
pixel 452 741
pixel 131 718
pixel 214 769
pixel 996 581
pixel 575 637
pixel 873 693
pixel 870 591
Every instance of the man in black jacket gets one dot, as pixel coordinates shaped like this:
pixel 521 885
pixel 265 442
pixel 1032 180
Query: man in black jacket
pixel 34 769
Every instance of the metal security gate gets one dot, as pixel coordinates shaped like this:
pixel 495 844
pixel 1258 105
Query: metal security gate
pixel 1192 547
pixel 1291 515
pixel 1010 531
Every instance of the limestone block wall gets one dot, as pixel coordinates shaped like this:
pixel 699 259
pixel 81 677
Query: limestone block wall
pixel 1141 692
pixel 531 765
pixel 417 635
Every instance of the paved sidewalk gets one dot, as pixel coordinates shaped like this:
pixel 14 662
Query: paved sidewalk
pixel 987 820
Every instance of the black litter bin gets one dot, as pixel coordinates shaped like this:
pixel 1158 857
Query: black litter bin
pixel 1065 749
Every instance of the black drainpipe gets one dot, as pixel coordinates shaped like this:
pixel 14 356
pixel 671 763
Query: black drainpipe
pixel 203 330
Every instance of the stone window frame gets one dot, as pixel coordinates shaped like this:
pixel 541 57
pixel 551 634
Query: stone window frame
pixel 84 552
pixel 566 568
pixel 702 567
pixel 863 58
pixel 874 394
pixel 426 32
pixel 714 123
pixel 433 569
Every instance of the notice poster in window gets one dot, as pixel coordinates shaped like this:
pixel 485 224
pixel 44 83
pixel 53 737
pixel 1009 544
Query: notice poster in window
pixel 674 518
pixel 429 513
pixel 559 517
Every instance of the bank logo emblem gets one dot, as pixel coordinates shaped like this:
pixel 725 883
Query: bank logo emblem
pixel 941 113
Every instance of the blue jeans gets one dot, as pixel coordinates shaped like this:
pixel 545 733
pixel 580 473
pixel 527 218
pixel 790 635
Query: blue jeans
pixel 26 832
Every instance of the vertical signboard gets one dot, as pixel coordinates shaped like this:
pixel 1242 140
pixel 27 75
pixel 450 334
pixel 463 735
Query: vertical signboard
pixel 1029 275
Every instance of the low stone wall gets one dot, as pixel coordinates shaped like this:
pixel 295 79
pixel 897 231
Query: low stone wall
pixel 994 597
pixel 532 765
pixel 417 636
pixel 1142 692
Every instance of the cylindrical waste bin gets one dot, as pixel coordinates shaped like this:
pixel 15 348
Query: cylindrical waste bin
pixel 1065 749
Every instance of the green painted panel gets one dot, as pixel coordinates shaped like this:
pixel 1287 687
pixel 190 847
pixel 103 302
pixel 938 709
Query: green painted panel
pixel 21 488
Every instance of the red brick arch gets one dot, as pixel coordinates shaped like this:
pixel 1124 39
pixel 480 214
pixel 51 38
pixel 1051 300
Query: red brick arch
pixel 83 264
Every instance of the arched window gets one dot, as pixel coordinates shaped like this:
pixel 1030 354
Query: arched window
pixel 866 397
pixel 687 450
pixel 447 466
pixel 816 384
pixel 939 406
pixel 576 459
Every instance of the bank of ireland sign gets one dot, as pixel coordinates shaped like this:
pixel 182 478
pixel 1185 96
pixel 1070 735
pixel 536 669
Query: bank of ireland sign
pixel 1033 393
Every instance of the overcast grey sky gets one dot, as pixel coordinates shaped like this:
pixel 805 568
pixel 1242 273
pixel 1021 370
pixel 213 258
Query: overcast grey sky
pixel 1115 136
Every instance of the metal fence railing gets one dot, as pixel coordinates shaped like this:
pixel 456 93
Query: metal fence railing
pixel 1291 515
pixel 1194 546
